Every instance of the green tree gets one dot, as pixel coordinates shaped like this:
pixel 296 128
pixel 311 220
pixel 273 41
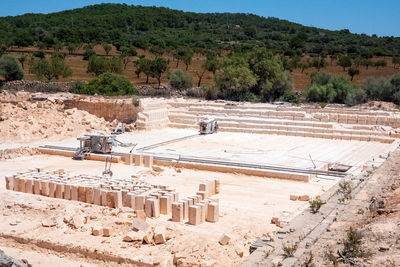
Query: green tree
pixel 100 65
pixel 234 77
pixel 89 51
pixel 380 63
pixel 127 52
pixel 187 58
pixel 395 61
pixel 107 48
pixel 353 71
pixel 107 84
pixel 143 65
pixel 10 68
pixel 52 68
pixel 22 60
pixel 318 63
pixel 157 67
pixel 71 47
pixel 180 80
pixel 344 62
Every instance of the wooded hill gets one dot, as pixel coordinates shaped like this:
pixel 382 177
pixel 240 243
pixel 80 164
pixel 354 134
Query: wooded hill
pixel 145 27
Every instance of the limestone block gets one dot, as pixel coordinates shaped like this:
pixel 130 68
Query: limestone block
pixel 159 235
pixel 52 189
pixel 217 186
pixel 202 194
pixel 203 211
pixel 59 191
pixel 128 159
pixel 165 205
pixel 224 239
pixel 185 203
pixel 176 197
pixel 110 199
pixel 294 197
pixel 191 201
pixel 194 215
pixel 107 231
pixel 205 187
pixel 124 198
pixel 104 197
pixel 148 208
pixel 97 196
pixel 141 215
pixel 139 225
pixel 117 199
pixel 97 230
pixel 67 192
pixel 20 184
pixel 304 198
pixel 82 193
pixel 155 208
pixel 177 212
pixel 132 236
pixel 148 161
pixel 138 160
pixel 212 187
pixel 9 182
pixel 212 212
pixel 139 202
pixel 36 187
pixel 74 192
pixel 29 186
pixel 130 200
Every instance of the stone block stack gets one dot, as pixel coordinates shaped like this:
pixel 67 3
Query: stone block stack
pixel 151 199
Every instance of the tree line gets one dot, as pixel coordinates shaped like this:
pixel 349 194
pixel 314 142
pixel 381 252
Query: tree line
pixel 160 29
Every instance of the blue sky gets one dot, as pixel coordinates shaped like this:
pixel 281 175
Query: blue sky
pixel 360 16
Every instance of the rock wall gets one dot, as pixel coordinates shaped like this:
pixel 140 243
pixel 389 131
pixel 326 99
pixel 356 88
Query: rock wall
pixel 110 109
pixel 36 86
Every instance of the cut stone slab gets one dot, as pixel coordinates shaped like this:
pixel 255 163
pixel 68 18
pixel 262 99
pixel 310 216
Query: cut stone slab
pixel 224 239
pixel 139 225
pixel 159 235
pixel 97 230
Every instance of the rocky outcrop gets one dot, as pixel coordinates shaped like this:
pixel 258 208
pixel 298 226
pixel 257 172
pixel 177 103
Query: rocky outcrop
pixel 108 108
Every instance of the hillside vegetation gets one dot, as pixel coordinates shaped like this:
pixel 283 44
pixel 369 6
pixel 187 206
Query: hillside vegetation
pixel 144 27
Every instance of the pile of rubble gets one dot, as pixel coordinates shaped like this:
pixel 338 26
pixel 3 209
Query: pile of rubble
pixel 26 121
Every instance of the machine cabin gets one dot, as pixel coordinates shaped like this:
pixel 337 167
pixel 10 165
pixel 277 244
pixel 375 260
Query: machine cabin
pixel 208 126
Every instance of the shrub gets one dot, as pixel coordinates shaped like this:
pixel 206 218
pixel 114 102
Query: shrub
pixel 10 68
pixel 352 244
pixel 290 97
pixel 39 54
pixel 355 97
pixel 180 80
pixel 315 205
pixel 108 84
pixel 289 249
pixel 384 89
pixel 329 88
pixel 100 65
pixel 135 100
pixel 77 86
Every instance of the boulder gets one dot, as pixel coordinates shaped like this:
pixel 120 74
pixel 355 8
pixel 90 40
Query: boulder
pixel 159 235
pixel 224 239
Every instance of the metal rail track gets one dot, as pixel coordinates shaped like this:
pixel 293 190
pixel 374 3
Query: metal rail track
pixel 64 148
pixel 196 160
pixel 166 142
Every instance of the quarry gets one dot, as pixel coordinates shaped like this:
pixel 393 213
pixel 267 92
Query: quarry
pixel 162 190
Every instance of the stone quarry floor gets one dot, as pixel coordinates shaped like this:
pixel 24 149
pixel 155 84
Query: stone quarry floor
pixel 247 203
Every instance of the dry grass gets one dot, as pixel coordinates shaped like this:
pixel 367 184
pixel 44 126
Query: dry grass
pixel 301 80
